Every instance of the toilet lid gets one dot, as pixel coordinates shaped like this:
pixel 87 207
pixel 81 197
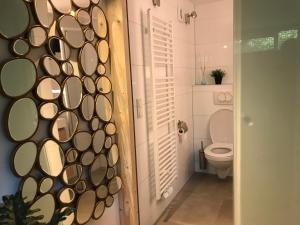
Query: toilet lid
pixel 221 126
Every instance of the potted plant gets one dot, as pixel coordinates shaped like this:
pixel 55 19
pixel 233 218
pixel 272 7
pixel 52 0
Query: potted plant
pixel 218 75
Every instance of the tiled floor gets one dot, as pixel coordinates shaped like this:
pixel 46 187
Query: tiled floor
pixel 204 200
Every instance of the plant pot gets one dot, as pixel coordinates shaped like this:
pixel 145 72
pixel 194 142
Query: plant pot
pixel 218 80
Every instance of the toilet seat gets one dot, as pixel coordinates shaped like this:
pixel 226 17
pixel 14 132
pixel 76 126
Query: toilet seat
pixel 219 156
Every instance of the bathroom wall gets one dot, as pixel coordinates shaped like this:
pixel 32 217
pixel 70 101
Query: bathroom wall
pixel 184 67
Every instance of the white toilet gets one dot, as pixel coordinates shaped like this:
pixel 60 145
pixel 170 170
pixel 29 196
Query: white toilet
pixel 220 153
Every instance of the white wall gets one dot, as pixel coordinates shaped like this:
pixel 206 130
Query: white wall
pixel 184 68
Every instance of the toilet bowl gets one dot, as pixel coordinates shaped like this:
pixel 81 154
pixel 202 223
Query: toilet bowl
pixel 220 153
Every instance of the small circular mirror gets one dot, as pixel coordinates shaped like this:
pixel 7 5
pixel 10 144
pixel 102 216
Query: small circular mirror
pixel 101 70
pixel 98 141
pixel 103 51
pixel 37 36
pixel 88 59
pixel 89 34
pixel 113 155
pixel 72 92
pixel 67 68
pixel 20 47
pixel 48 89
pixel 50 66
pixel 72 174
pixel 96 2
pixel 83 17
pixel 44 12
pixel 103 85
pixel 99 210
pixel 85 207
pixel 99 22
pixel 108 142
pixel 59 48
pixel 103 108
pixel 70 218
pixel 80 187
pixel 82 140
pixel 82 3
pixel 109 201
pixel 71 30
pixel 66 196
pixel 48 110
pixel 62 6
pixel 29 189
pixel 98 170
pixel 71 155
pixel 89 85
pixel 87 158
pixel 46 184
pixel 95 123
pixel 110 129
pixel 102 192
pixel 110 173
pixel 88 107
pixel 115 185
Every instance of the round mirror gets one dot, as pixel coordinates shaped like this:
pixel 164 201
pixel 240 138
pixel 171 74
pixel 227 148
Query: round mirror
pixel 108 142
pixel 110 129
pixel 99 210
pixel 101 70
pixel 109 201
pixel 64 126
pixel 67 68
pixel 95 123
pixel 62 6
pixel 59 49
pixel 66 196
pixel 82 140
pixel 89 34
pixel 50 66
pixel 44 12
pixel 88 59
pixel 82 3
pixel 72 92
pixel 110 173
pixel 18 77
pixel 44 208
pixel 89 85
pixel 72 174
pixel 85 207
pixel 103 108
pixel 102 192
pixel 20 47
pixel 24 158
pixel 98 141
pixel 46 184
pixel 113 155
pixel 98 170
pixel 96 2
pixel 69 219
pixel 115 185
pixel 51 159
pixel 80 187
pixel 87 158
pixel 48 110
pixel 29 189
pixel 71 30
pixel 103 85
pixel 19 128
pixel 37 36
pixel 103 51
pixel 83 17
pixel 14 17
pixel 48 89
pixel 88 107
pixel 99 22
pixel 71 155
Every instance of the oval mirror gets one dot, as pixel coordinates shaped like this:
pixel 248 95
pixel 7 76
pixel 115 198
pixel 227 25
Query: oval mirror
pixel 88 107
pixel 18 77
pixel 24 158
pixel 82 140
pixel 69 219
pixel 83 17
pixel 102 192
pixel 103 108
pixel 72 174
pixel 115 185
pixel 44 12
pixel 98 170
pixel 20 129
pixel 80 187
pixel 108 142
pixel 46 184
pixel 99 22
pixel 95 123
pixel 48 110
pixel 85 207
pixel 66 196
pixel 50 66
pixel 71 155
pixel 82 3
pixel 103 51
pixel 87 158
pixel 110 129
pixel 109 201
pixel 29 189
pixel 20 47
pixel 51 159
pixel 103 85
pixel 71 30
pixel 89 34
pixel 72 92
pixel 99 210
pixel 110 173
pixel 44 208
pixel 37 36
pixel 62 6
pixel 64 126
pixel 113 155
pixel 67 68
pixel 98 141
pixel 88 59
pixel 48 89
pixel 59 48
pixel 101 70
pixel 89 85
